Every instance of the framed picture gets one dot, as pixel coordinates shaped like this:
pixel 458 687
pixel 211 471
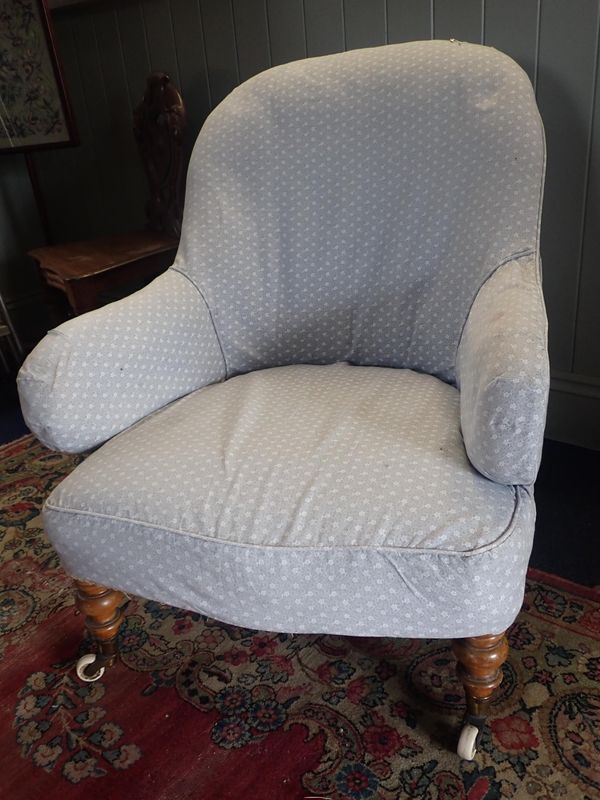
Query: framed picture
pixel 34 107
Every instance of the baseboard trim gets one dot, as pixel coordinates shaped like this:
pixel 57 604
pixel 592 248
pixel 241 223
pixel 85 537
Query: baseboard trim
pixel 571 383
pixel 574 410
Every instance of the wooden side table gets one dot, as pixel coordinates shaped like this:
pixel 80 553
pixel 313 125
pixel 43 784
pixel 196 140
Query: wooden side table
pixel 92 273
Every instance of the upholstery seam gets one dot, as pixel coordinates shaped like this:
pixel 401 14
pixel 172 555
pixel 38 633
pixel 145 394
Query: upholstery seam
pixel 522 254
pixel 513 257
pixel 210 315
pixel 506 534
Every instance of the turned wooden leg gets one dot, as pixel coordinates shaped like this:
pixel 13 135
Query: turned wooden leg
pixel 479 668
pixel 103 611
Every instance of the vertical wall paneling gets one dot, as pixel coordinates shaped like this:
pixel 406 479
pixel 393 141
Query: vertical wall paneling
pixel 365 22
pixel 193 68
pixel 586 357
pixel 517 39
pixel 79 206
pixel 21 229
pixel 408 20
pixel 221 55
pixel 458 19
pixel 286 30
pixel 69 172
pixel 90 164
pixel 566 71
pixel 573 412
pixel 104 220
pixel 324 21
pixel 125 175
pixel 159 36
pixel 252 36
pixel 134 48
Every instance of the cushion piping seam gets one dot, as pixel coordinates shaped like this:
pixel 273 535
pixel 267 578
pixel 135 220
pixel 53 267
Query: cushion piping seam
pixel 508 531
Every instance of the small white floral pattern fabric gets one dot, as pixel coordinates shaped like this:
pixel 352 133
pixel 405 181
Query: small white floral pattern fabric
pixel 290 498
pixel 99 373
pixel 302 456
pixel 379 208
pixel 504 374
pixel 349 208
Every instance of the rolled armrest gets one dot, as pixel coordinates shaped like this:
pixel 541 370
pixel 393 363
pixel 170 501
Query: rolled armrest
pixel 99 373
pixel 503 374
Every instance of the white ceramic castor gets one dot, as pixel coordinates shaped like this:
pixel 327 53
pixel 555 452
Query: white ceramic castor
pixel 467 743
pixel 85 661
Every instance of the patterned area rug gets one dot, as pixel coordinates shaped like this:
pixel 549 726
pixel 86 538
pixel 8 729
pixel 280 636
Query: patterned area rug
pixel 199 709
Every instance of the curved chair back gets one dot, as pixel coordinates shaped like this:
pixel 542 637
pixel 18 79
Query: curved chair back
pixel 350 207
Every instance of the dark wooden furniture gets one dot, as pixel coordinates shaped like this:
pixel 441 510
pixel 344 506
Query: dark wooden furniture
pixel 92 273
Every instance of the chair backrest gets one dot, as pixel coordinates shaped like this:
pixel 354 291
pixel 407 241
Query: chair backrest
pixel 159 123
pixel 350 207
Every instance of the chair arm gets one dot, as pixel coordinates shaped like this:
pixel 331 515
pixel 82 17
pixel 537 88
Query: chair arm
pixel 97 374
pixel 503 374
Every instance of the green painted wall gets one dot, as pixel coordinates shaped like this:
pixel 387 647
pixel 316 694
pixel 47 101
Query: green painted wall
pixel 209 46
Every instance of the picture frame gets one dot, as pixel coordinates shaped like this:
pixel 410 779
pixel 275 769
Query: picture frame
pixel 35 112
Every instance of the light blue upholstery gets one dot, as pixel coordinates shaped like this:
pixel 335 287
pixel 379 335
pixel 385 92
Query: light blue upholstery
pixel 504 374
pixel 99 373
pixel 378 208
pixel 303 498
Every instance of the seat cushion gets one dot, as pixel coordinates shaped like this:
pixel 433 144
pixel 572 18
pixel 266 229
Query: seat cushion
pixel 332 499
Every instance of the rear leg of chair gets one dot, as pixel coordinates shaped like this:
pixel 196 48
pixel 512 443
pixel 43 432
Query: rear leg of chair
pixel 103 611
pixel 480 660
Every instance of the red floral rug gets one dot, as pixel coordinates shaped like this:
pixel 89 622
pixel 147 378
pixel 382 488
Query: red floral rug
pixel 198 709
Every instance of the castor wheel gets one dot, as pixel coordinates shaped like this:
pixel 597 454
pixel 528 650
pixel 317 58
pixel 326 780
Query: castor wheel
pixel 84 671
pixel 467 743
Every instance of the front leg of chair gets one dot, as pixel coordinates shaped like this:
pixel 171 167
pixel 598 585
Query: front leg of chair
pixel 479 668
pixel 103 611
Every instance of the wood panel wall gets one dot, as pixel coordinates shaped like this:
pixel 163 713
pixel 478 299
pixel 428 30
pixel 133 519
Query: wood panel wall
pixel 209 46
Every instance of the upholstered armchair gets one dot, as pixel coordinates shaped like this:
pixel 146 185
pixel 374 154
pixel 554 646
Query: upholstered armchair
pixel 327 415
